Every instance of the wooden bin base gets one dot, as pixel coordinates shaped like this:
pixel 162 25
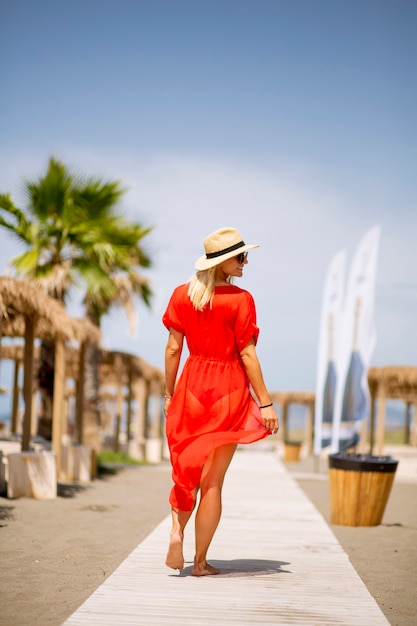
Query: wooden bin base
pixel 359 498
pixel 292 451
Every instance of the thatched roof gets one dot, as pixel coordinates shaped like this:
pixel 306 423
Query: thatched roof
pixel 20 299
pixel 397 382
pixel 117 366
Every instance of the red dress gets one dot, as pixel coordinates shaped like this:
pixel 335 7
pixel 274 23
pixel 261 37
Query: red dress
pixel 212 404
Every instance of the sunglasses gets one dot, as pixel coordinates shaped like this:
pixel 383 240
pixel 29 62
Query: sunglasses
pixel 241 258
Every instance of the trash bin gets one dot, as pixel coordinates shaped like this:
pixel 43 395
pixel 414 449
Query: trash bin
pixel 360 485
pixel 292 451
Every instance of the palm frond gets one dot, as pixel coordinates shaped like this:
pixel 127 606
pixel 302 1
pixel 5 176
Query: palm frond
pixel 76 233
pixel 18 226
pixel 48 195
pixel 98 200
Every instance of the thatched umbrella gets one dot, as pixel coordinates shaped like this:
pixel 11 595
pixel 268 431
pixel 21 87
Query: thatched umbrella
pixel 392 382
pixel 284 399
pixel 119 370
pixel 27 311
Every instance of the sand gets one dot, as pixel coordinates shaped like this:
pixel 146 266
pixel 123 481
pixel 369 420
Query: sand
pixel 55 553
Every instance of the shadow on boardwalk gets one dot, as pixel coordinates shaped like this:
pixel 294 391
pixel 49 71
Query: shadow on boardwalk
pixel 242 567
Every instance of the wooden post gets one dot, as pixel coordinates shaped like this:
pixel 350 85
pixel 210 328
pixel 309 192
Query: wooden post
pixel 116 437
pixel 16 392
pixel 284 420
pixel 145 401
pixel 309 428
pixel 119 403
pixel 407 422
pixel 381 421
pixel 129 404
pixel 30 323
pixel 57 401
pixel 79 398
pixel 372 426
pixel 65 412
pixel 34 426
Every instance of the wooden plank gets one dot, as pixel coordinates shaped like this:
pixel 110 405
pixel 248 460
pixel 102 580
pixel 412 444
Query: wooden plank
pixel 280 564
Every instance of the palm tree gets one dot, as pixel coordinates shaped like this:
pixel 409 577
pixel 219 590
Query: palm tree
pixel 75 236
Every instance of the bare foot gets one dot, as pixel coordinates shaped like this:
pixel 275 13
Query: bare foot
pixel 204 569
pixel 175 558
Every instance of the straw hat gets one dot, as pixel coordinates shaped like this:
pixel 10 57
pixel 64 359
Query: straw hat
pixel 221 245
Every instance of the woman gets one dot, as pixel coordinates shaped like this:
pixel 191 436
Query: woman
pixel 211 410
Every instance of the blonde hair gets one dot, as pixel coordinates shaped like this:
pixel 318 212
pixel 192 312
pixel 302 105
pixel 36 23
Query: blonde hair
pixel 201 287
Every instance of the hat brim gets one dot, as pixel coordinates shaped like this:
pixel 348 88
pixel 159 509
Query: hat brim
pixel 203 263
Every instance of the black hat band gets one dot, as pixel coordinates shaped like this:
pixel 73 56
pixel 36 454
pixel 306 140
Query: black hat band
pixel 213 255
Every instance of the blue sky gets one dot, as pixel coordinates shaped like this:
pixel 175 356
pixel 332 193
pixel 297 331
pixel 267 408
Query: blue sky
pixel 293 121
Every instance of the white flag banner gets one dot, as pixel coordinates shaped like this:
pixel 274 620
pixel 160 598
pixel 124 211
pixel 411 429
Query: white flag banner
pixel 328 349
pixel 356 345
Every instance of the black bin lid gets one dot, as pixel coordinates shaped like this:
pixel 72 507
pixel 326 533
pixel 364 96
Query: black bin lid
pixel 362 462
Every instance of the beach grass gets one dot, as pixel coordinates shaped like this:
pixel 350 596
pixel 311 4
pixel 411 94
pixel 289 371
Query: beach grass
pixel 395 436
pixel 111 461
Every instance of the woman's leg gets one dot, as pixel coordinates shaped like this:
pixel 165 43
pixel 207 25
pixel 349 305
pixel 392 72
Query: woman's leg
pixel 210 507
pixel 175 558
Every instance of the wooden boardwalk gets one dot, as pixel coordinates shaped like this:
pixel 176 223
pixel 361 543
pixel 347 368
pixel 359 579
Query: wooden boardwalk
pixel 280 564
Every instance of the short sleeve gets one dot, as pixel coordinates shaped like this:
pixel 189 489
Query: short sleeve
pixel 245 326
pixel 172 316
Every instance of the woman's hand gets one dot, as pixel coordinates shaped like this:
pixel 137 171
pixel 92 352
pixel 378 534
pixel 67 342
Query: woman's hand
pixel 167 402
pixel 270 419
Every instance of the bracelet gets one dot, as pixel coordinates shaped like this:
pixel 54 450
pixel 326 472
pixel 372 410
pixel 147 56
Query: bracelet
pixel 168 397
pixel 266 406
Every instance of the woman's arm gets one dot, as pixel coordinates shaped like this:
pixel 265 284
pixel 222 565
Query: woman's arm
pixel 173 353
pixel 254 372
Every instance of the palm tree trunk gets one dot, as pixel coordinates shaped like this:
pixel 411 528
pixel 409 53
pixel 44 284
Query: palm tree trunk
pixel 91 413
pixel 45 378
